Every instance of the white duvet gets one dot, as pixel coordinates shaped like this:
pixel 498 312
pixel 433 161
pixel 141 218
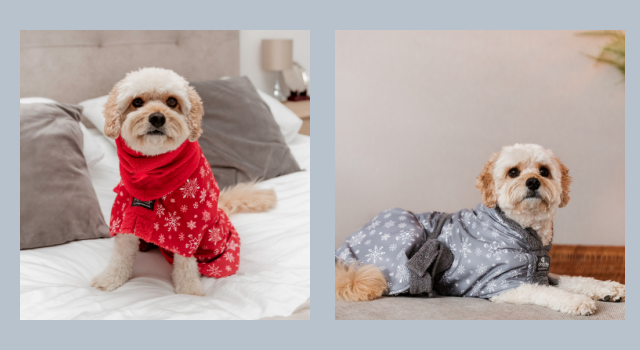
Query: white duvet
pixel 273 279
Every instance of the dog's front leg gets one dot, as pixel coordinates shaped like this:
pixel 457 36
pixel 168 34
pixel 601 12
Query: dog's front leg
pixel 120 266
pixel 548 296
pixel 186 277
pixel 591 287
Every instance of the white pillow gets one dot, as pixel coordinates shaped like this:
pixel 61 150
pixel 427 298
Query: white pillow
pixel 288 121
pixel 92 150
pixel 93 110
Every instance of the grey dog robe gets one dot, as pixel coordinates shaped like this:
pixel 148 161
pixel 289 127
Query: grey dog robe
pixel 470 253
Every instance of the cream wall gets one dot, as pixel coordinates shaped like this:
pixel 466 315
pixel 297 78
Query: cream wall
pixel 250 54
pixel 418 113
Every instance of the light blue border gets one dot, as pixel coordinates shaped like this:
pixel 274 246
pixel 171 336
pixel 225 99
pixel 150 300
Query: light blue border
pixel 322 18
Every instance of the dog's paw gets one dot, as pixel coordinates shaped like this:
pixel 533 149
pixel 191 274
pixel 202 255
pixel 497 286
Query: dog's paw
pixel 191 287
pixel 580 305
pixel 110 280
pixel 610 291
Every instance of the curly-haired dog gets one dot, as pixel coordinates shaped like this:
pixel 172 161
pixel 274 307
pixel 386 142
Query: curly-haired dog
pixel 499 250
pixel 167 195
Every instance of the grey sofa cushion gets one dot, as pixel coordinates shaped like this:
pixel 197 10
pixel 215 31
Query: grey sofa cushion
pixel 240 139
pixel 455 308
pixel 57 201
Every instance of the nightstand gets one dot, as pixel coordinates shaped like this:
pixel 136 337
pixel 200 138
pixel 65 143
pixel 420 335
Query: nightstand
pixel 303 110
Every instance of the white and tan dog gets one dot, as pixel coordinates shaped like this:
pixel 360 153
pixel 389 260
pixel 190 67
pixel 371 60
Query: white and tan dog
pixel 525 184
pixel 155 111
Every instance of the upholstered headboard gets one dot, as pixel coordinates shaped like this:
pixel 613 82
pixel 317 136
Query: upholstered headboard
pixel 72 66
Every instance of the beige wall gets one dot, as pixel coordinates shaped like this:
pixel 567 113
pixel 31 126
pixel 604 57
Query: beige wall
pixel 418 113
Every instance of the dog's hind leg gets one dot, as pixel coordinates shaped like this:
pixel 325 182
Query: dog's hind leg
pixel 591 287
pixel 120 266
pixel 246 198
pixel 365 283
pixel 186 277
pixel 548 296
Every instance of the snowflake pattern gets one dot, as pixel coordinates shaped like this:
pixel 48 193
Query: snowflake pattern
pixel 191 224
pixel 491 286
pixel 481 269
pixel 232 245
pixel 114 226
pixel 375 254
pixel 521 255
pixel 402 274
pixel 214 270
pixel 447 231
pixel 189 188
pixel 466 247
pixel 344 255
pixel 373 225
pixel 160 210
pixel 229 257
pixel 172 221
pixel 357 238
pixel 406 236
pixel 494 250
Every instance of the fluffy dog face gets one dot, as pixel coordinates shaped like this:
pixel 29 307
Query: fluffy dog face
pixel 154 110
pixel 525 179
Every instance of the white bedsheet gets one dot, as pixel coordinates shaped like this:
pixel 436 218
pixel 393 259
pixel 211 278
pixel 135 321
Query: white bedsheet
pixel 273 279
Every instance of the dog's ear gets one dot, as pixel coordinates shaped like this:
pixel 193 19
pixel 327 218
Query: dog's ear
pixel 112 114
pixel 195 114
pixel 565 181
pixel 486 185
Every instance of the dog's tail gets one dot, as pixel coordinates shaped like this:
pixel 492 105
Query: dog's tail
pixel 365 283
pixel 246 198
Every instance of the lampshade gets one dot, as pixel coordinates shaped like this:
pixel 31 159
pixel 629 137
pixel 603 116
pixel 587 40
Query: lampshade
pixel 277 54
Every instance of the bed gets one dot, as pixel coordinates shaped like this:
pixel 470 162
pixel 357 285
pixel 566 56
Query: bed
pixel 273 281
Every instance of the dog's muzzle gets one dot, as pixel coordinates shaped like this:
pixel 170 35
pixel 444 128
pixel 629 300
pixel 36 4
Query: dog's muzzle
pixel 157 120
pixel 532 194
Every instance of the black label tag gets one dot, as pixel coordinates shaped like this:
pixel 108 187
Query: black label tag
pixel 147 205
pixel 543 263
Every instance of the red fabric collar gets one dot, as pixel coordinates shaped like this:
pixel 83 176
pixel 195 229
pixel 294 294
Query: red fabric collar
pixel 147 178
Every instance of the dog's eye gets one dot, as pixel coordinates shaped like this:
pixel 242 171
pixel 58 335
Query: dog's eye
pixel 513 173
pixel 137 102
pixel 171 102
pixel 544 172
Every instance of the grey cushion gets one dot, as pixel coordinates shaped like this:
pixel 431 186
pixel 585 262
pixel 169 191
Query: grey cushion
pixel 57 201
pixel 240 139
pixel 454 308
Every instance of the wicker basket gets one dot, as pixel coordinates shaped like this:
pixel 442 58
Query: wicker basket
pixel 600 262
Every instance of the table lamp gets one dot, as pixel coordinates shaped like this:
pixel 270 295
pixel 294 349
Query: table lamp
pixel 277 55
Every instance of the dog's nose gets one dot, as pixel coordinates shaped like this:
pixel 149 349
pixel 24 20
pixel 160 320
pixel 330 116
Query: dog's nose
pixel 532 183
pixel 157 119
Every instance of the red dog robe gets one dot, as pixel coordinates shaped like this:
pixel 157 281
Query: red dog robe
pixel 171 200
